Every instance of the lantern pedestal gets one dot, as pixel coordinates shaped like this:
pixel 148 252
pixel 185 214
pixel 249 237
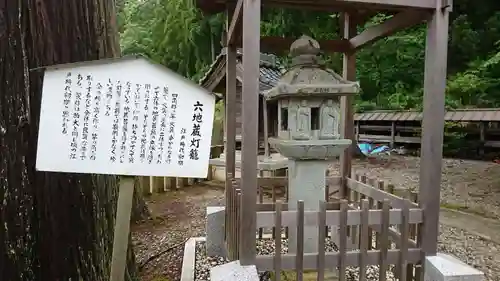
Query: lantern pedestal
pixel 306 179
pixel 306 182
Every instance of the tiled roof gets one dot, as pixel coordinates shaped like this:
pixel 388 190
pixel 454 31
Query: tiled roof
pixel 464 115
pixel 270 70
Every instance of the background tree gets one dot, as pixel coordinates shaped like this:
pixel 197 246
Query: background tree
pixel 173 32
pixel 53 226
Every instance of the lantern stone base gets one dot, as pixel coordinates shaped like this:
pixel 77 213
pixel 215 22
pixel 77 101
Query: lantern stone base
pixel 306 182
pixel 310 149
pixel 307 167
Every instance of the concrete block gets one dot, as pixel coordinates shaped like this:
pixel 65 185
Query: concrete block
pixel 444 267
pixel 234 271
pixel 215 231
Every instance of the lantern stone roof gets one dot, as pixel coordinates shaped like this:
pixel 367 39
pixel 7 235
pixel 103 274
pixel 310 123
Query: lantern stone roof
pixel 308 75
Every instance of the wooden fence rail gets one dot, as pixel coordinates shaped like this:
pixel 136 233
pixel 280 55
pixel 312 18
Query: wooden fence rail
pixel 381 254
pixel 277 189
pixel 376 191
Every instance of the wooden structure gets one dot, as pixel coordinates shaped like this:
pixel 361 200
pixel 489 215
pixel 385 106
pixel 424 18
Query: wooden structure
pixel 244 19
pixel 214 80
pixel 151 185
pixel 404 127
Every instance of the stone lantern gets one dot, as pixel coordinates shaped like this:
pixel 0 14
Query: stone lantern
pixel 308 127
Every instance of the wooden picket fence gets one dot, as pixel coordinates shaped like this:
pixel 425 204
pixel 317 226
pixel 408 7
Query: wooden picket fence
pixel 375 225
pixel 150 185
pixel 379 253
pixel 233 212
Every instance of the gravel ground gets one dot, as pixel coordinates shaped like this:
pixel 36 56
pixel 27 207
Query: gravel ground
pixel 477 252
pixel 177 216
pixel 471 184
pixel 468 185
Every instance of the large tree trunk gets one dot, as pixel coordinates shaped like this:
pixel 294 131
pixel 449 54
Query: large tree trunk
pixel 53 226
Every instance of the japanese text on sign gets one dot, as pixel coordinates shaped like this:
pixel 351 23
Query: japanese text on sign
pixel 116 124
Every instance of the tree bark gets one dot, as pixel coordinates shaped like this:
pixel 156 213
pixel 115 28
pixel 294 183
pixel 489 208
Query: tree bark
pixel 53 226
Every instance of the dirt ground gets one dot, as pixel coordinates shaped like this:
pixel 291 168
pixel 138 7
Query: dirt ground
pixel 176 216
pixel 469 186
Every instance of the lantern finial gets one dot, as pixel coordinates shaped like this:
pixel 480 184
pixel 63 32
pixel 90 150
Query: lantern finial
pixel 305 51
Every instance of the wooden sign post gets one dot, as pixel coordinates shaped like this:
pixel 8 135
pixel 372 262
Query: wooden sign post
pixel 122 228
pixel 127 117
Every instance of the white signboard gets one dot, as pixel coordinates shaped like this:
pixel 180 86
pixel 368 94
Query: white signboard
pixel 124 117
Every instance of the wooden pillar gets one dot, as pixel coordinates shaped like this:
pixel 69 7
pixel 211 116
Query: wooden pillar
pixel 346 103
pixel 170 183
pixel 432 126
pixel 266 126
pixel 250 114
pixel 358 128
pixel 482 137
pixel 144 183
pixel 393 133
pixel 157 184
pixel 230 129
pixel 230 118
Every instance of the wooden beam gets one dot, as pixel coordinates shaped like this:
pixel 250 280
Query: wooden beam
pixel 422 4
pixel 436 52
pixel 346 105
pixel 277 182
pixel 379 195
pixel 216 77
pixel 235 25
pixel 289 218
pixel 249 129
pixel 280 45
pixel 397 23
pixel 354 5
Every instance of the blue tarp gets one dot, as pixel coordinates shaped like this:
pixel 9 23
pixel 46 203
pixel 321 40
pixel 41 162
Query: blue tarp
pixel 372 149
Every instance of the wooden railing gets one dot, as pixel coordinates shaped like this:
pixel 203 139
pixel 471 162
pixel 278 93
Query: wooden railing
pixel 379 223
pixel 379 253
pixel 376 191
pixel 277 189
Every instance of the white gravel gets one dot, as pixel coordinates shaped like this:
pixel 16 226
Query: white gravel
pixel 471 249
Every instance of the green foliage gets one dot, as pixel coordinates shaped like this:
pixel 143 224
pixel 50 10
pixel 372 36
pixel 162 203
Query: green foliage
pixel 174 33
pixel 170 32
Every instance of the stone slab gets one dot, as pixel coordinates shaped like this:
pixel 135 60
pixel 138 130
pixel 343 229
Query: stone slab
pixel 189 259
pixel 444 267
pixel 234 271
pixel 215 221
